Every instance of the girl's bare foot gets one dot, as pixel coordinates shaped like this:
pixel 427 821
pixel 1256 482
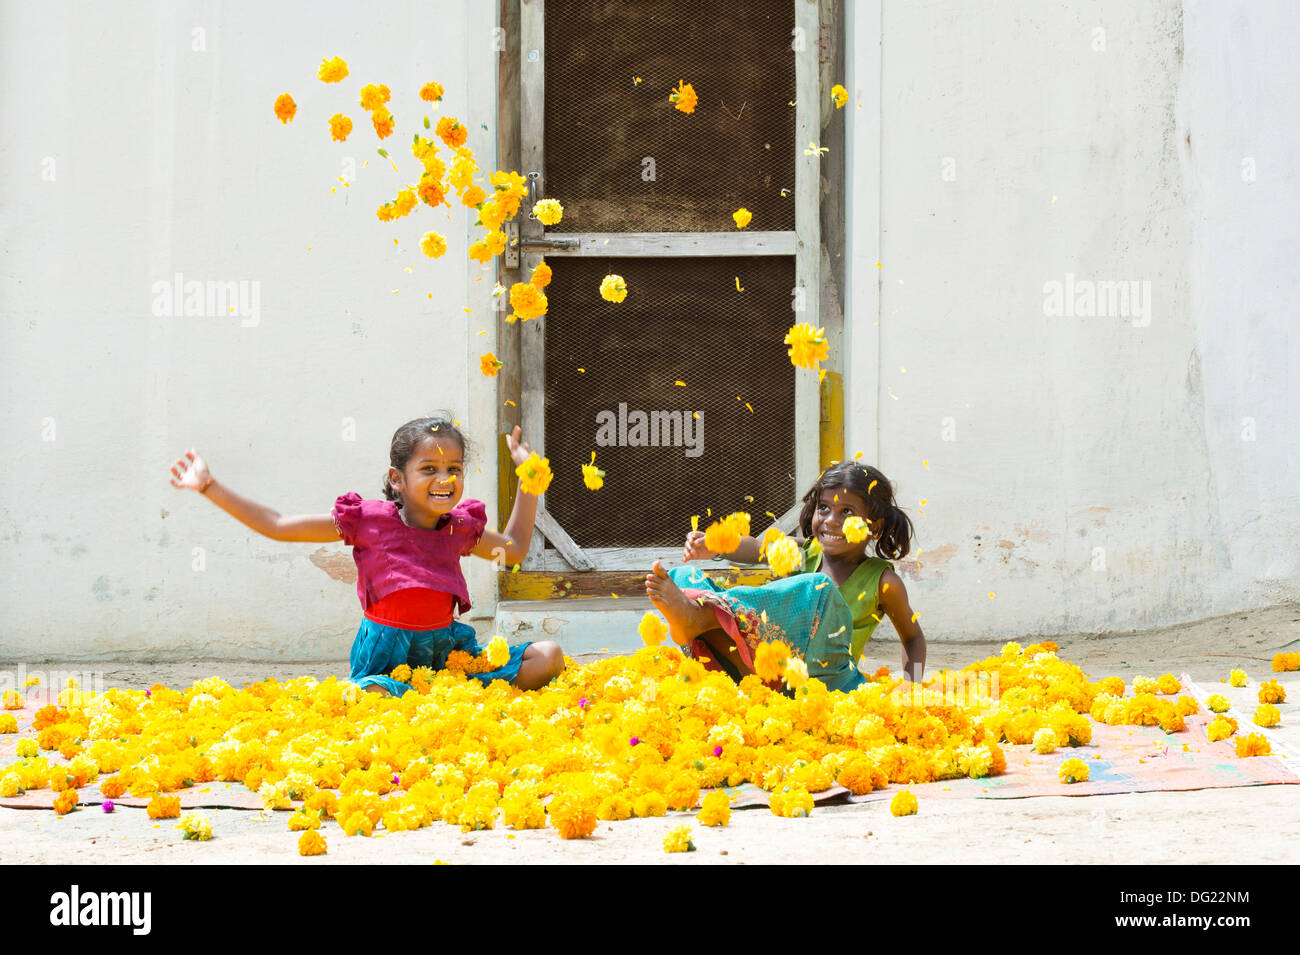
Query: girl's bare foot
pixel 686 619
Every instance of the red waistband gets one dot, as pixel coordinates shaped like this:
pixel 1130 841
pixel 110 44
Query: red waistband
pixel 415 608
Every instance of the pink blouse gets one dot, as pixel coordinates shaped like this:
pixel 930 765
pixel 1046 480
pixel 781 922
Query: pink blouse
pixel 391 555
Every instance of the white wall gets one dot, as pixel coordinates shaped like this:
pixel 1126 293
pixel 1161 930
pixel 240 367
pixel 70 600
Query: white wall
pixel 1075 440
pixel 168 159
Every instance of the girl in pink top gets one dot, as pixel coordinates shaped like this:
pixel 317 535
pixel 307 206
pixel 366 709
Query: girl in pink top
pixel 407 550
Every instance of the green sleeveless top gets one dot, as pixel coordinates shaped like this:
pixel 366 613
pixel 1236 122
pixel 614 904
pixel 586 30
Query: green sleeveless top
pixel 861 592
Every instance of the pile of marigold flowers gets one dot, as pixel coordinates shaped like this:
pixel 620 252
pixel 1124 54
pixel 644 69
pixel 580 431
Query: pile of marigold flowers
pixel 622 737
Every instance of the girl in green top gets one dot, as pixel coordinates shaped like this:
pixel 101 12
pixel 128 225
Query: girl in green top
pixel 867 584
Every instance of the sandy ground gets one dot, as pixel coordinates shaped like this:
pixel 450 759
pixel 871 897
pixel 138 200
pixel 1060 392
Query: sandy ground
pixel 1242 825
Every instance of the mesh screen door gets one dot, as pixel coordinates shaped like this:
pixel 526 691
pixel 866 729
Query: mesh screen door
pixel 684 390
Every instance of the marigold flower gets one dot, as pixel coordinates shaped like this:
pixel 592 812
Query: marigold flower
pixel 1270 691
pixel 431 92
pixel 534 474
pixel 649 804
pixel 527 300
pixel 451 132
pixel 401 673
pixel 548 211
pixel 1286 662
pixel 472 196
pixel 1237 678
pixel 742 217
pixel 791 803
pixel 373 96
pixel 113 787
pixel 1144 684
pixel 498 652
pixel 721 537
pixel 489 365
pixel 856 530
pixel 715 809
pixel 903 804
pixel 839 96
pixel 65 802
pixel 1186 706
pixel 1112 685
pixel 808 345
pixel 1220 729
pixel 1045 741
pixel 652 629
pixel 383 122
pixel 541 276
pixel 332 70
pixel 679 839
pixel 163 806
pixel 573 814
pixel 285 108
pixel 1073 770
pixel 11 784
pixel 593 477
pixel 311 843
pixel 1266 714
pixel 1168 684
pixel 340 127
pixel 8 723
pixel 1218 703
pixel 784 556
pixel 613 288
pixel 433 244
pixel 770 660
pixel 1252 744
pixel 479 253
pixel 796 673
pixel 195 826
pixel 683 97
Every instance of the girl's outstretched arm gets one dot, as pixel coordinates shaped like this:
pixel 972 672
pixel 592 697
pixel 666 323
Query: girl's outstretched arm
pixel 746 551
pixel 512 546
pixel 191 471
pixel 893 598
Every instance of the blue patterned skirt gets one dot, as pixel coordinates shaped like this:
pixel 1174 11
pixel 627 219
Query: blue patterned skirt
pixel 378 650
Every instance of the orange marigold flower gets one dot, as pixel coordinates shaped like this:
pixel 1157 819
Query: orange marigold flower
pixel 285 108
pixel 770 659
pixel 473 196
pixel 1168 683
pixel 431 92
pixel 683 792
pixel 451 132
pixel 458 660
pixel 65 802
pixel 573 813
pixel 332 70
pixel 431 192
pixel 340 127
pixel 479 253
pixel 721 537
pixel 383 122
pixel 433 244
pixel 527 299
pixel 1270 691
pixel 164 807
pixel 373 96
pixel 311 843
pixel 541 276
pixel 1286 662
pixel 683 97
pixel 489 364
pixel 1252 744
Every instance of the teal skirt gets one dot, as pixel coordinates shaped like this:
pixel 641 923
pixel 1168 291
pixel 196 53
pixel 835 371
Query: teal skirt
pixel 378 650
pixel 806 611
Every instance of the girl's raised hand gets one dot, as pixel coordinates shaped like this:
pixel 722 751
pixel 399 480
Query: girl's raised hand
pixel 519 450
pixel 191 472
pixel 694 548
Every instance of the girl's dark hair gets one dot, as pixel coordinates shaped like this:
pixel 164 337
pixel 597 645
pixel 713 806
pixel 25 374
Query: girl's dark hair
pixel 408 437
pixel 866 482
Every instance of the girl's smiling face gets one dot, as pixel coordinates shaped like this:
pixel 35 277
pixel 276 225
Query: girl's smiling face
pixel 837 504
pixel 433 480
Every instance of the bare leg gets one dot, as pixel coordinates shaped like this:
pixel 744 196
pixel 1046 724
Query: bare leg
pixel 542 663
pixel 686 619
pixel 377 689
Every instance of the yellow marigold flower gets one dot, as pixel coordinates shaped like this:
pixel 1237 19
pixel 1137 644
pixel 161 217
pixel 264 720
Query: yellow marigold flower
pixel 358 824
pixel 498 652
pixel 856 530
pixel 541 276
pixel 1237 678
pixel 1045 741
pixel 373 96
pixel 903 804
pixel 679 839
pixel 479 253
pixel 472 196
pixel 652 629
pixel 331 71
pixel 739 522
pixel 285 108
pixel 742 217
pixel 784 556
pixel 196 826
pixel 791 803
pixel 1186 706
pixel 721 537
pixel 1112 685
pixel 521 806
pixel 383 122
pixel 534 474
pixel 8 723
pixel 1266 714
pixel 451 132
pixel 715 809
pixel 311 843
pixel 683 97
pixel 573 814
pixel 1073 771
pixel 593 477
pixel 1220 729
pixel 1218 703
pixel 796 673
pixel 402 673
pixel 548 211
pixel 27 748
pixel 1144 684
pixel 1270 691
pixel 66 801
pixel 433 244
pixel 11 784
pixel 1252 744
pixel 839 96
pixel 770 660
pixel 164 807
pixel 340 127
pixel 613 288
pixel 489 364
pixel 431 92
pixel 303 819
pixel 527 300
pixel 649 804
pixel 1168 684
pixel 808 345
pixel 1286 662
